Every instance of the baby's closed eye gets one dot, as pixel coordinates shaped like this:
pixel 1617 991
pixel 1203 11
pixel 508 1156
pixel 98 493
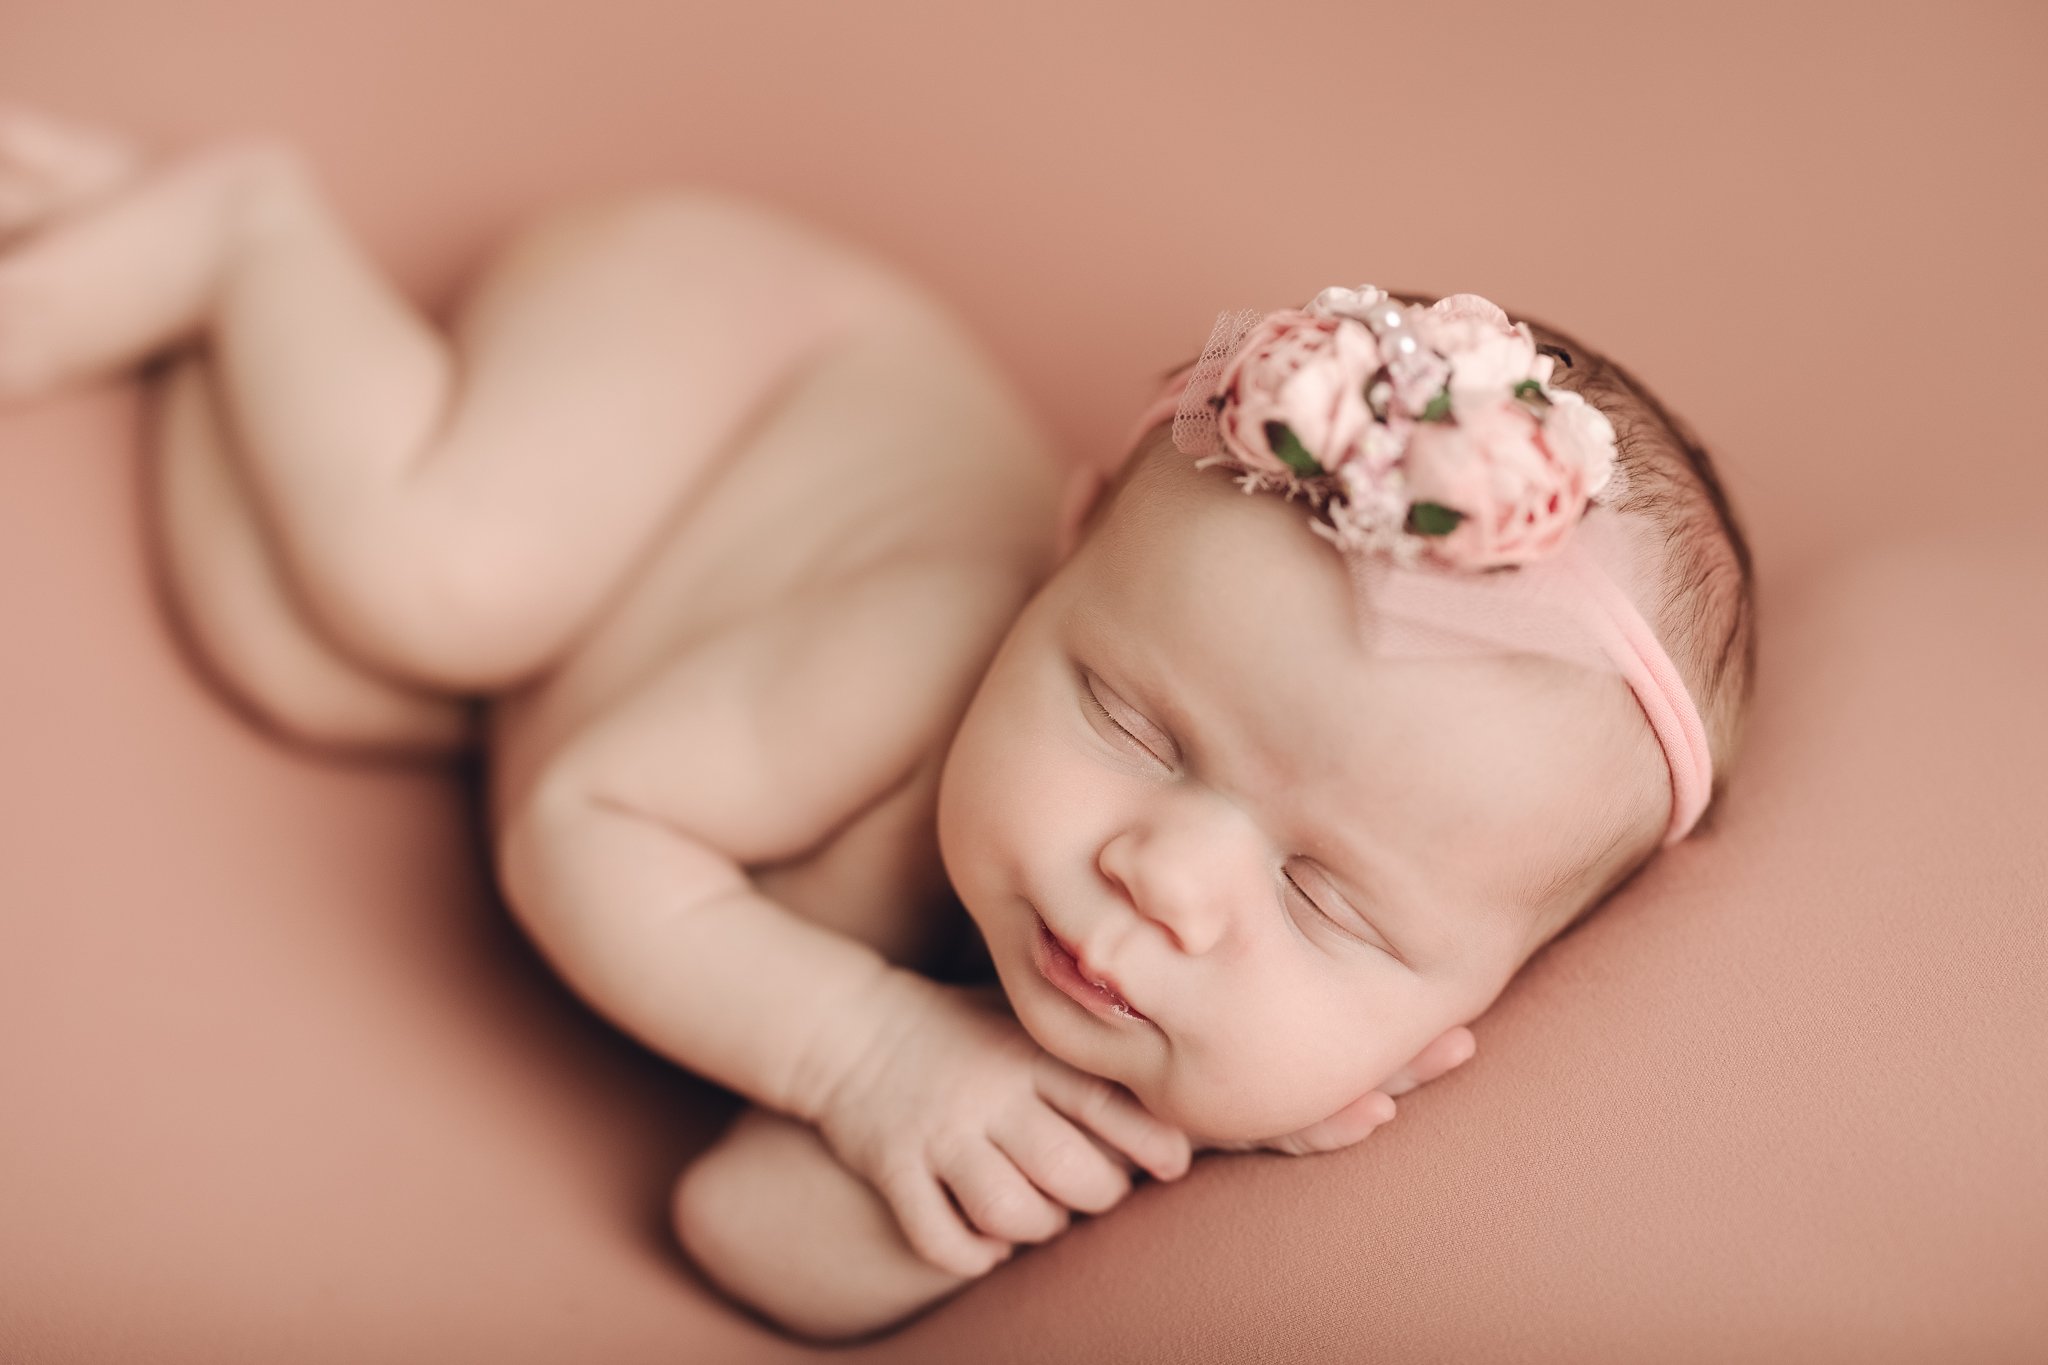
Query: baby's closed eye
pixel 1132 728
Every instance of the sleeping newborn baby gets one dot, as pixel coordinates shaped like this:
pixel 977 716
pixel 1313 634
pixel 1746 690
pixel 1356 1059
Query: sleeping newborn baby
pixel 1002 831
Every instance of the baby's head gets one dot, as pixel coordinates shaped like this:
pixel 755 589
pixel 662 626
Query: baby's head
pixel 1300 860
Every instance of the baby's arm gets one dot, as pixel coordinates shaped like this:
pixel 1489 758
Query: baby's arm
pixel 626 866
pixel 778 1222
pixel 626 861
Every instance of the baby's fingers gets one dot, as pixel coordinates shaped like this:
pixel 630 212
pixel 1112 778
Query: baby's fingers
pixel 997 1198
pixel 1114 1114
pixel 1067 1163
pixel 1348 1125
pixel 934 1228
pixel 1452 1048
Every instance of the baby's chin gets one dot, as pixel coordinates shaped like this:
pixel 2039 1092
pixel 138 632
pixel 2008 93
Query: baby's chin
pixel 1057 1047
pixel 1216 1118
pixel 1254 1110
pixel 1204 1110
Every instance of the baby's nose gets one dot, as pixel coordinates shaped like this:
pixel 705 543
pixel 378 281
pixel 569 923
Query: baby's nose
pixel 1184 877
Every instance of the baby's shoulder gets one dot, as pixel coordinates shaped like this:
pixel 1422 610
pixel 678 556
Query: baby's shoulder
pixel 886 659
pixel 853 685
pixel 926 619
pixel 765 739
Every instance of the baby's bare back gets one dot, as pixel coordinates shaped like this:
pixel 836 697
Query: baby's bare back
pixel 845 569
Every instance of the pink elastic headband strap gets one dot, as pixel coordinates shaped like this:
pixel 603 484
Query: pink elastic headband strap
pixel 1632 645
pixel 1601 606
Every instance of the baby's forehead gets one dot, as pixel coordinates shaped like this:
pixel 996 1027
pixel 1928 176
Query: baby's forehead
pixel 1233 612
pixel 1215 589
pixel 1180 537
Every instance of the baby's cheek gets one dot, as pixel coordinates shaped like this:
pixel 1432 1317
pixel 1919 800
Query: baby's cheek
pixel 970 801
pixel 1228 1103
pixel 1277 1080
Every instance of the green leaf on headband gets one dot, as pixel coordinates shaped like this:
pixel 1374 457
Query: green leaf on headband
pixel 1289 448
pixel 1433 519
pixel 1439 409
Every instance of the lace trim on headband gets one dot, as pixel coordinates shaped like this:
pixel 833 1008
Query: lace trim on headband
pixel 1194 421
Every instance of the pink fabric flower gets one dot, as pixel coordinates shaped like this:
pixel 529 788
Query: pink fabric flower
pixel 1488 354
pixel 1339 302
pixel 1418 377
pixel 1307 375
pixel 1475 462
pixel 1469 310
pixel 1516 498
pixel 1371 514
pixel 1579 434
pixel 1384 441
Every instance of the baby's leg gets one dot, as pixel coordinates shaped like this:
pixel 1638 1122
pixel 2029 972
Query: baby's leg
pixel 448 515
pixel 234 604
pixel 225 587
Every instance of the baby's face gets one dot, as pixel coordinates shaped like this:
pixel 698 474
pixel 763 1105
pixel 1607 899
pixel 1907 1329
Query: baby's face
pixel 1298 863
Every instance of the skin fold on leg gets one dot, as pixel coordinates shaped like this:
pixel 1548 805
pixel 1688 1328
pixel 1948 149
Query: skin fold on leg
pixel 217 568
pixel 235 607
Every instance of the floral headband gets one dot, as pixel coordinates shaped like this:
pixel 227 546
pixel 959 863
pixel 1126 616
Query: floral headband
pixel 1471 501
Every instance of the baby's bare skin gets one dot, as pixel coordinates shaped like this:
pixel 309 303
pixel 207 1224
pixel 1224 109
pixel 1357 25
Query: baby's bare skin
pixel 683 462
pixel 705 527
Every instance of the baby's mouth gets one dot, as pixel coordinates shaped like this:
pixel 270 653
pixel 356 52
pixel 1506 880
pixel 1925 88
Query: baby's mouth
pixel 1068 963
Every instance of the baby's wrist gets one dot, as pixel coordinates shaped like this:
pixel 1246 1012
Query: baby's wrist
pixel 862 1025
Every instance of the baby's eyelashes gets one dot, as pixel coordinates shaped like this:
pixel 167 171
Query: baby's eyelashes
pixel 1132 726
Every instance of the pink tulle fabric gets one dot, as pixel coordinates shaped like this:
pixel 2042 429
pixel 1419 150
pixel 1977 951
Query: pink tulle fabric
pixel 1578 604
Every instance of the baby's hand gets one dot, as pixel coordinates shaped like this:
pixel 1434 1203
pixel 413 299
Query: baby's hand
pixel 953 1093
pixel 1357 1119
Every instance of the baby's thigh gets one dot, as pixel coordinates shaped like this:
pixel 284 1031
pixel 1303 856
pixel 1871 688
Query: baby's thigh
pixel 771 1216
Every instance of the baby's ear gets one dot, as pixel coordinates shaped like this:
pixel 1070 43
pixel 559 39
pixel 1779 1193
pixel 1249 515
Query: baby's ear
pixel 1453 1047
